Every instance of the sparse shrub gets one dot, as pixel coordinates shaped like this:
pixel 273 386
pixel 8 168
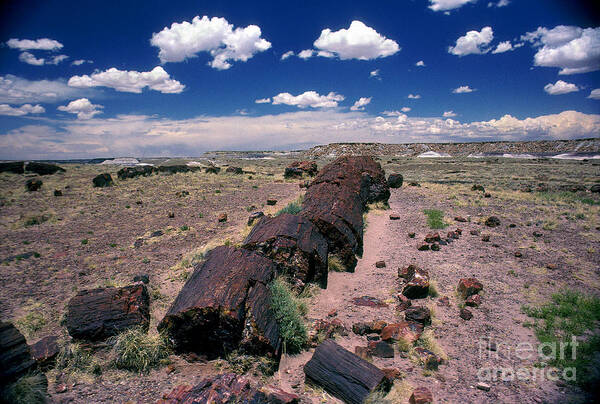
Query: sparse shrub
pixel 334 263
pixel 137 351
pixel 287 314
pixel 435 218
pixel 433 289
pixel 184 228
pixel 549 225
pixel 428 341
pixel 293 208
pixel 31 322
pixel 36 220
pixel 73 357
pixel 29 389
pixel 84 241
pixel 257 365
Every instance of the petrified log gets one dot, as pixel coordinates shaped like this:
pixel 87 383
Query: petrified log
pixel 234 170
pixel 178 168
pixel 137 171
pixel 33 184
pixel 344 374
pixel 224 306
pixel 100 313
pixel 15 355
pixel 295 244
pixel 103 180
pixel 291 172
pixel 15 167
pixel 228 388
pixel 309 167
pixel 43 168
pixel 45 350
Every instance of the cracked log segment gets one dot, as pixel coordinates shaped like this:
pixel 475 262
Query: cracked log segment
pixel 15 355
pixel 344 374
pixel 225 305
pixel 336 199
pixel 97 314
pixel 296 246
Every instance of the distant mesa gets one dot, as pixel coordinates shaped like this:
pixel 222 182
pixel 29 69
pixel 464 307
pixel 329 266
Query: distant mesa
pixel 122 161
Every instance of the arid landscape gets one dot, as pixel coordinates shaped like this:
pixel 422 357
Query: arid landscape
pixel 460 267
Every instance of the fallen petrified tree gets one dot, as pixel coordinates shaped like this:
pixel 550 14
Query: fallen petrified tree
pixel 344 374
pixel 225 306
pixel 97 314
pixel 15 167
pixel 43 168
pixel 295 244
pixel 15 355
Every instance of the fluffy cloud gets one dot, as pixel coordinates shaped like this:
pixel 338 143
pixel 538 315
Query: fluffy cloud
pixel 129 81
pixel 6 109
pixel 214 35
pixel 501 3
pixel 572 49
pixel 503 47
pixel 445 5
pixel 29 58
pixel 473 42
pixel 360 104
pixel 560 87
pixel 82 107
pixel 449 114
pixel 405 109
pixel 414 96
pixel 595 94
pixel 143 135
pixel 463 90
pixel 397 113
pixel 309 99
pixel 374 73
pixel 357 42
pixel 306 54
pixel 17 90
pixel 79 62
pixel 420 63
pixel 287 55
pixel 37 44
pixel 263 101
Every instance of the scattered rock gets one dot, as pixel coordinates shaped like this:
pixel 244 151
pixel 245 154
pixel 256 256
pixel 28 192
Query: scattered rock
pixel 444 301
pixel 551 267
pixel 332 313
pixel 430 360
pixel 435 247
pixel 595 188
pixel 453 235
pixel 43 168
pixel 291 172
pixel 15 355
pixel 33 185
pixel 368 301
pixel 171 215
pixel 487 195
pixel 102 180
pixel 182 193
pixel 492 221
pixel 58 192
pixel 45 350
pixel 381 349
pixel 478 187
pixel 144 278
pixel 414 184
pixel 254 216
pixel 404 304
pixel 485 238
pixel 15 167
pixel 483 386
pixel 308 167
pixel 380 264
pixel 97 314
pixel 474 232
pixel 212 170
pixel 473 301
pixel 324 329
pixel 363 353
pixel 421 395
pixel 432 237
pixel 234 170
pixel 394 217
pixel 466 314
pixel 271 202
pixel 518 254
pixel 392 374
pixel 61 388
pixel 512 225
pixel 468 287
pixel 460 219
pixel 405 330
pixel 417 286
pixel 395 180
pixel 411 235
pixel 537 234
pixel 222 217
pixel 156 233
pixel 418 314
pixel 138 243
pixel 137 171
pixel 377 326
pixel 423 246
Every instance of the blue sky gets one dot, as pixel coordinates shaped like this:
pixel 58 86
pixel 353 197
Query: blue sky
pixel 85 79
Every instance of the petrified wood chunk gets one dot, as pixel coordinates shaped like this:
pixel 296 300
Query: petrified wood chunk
pixel 15 167
pixel 100 313
pixel 344 374
pixel 228 388
pixel 137 171
pixel 224 305
pixel 295 244
pixel 309 167
pixel 15 356
pixel 45 350
pixel 43 168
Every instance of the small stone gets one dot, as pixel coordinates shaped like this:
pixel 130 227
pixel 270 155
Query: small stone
pixel 466 314
pixel 373 337
pixel 537 234
pixel 33 185
pixel 518 254
pixel 418 314
pixel 469 286
pixel 381 349
pixel 473 301
pixel 156 233
pixel 395 180
pixel 361 328
pixel 404 304
pixel 485 238
pixel 487 195
pixel 551 267
pixel 474 232
pixel 363 352
pixel 144 278
pixel 368 301
pixel 254 216
pixel 460 219
pixel 377 326
pixel 443 242
pixel 414 184
pixel 423 247
pixel 222 217
pixel 435 247
pixel 444 301
pixel 452 235
pixel 380 264
pixel 58 192
pixel 411 235
pixel 392 374
pixel 421 395
pixel 171 215
pixel 394 217
pixel 271 202
pixel 483 386
pixel 432 237
pixel 138 243
pixel 512 225
pixel 492 221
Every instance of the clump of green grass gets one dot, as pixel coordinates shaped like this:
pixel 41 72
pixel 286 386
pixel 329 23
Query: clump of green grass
pixel 334 263
pixel 31 322
pixel 435 219
pixel 73 357
pixel 29 389
pixel 285 307
pixel 566 197
pixel 570 314
pixel 242 364
pixel 137 351
pixel 293 208
pixel 35 220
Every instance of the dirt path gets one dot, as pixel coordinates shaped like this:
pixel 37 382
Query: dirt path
pixel 498 317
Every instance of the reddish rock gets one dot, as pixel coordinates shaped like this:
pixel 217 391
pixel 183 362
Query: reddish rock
pixel 392 374
pixel 97 314
pixel 404 302
pixel 469 286
pixel 363 352
pixel 394 217
pixel 551 267
pixel 332 313
pixel 444 301
pixel 460 219
pixel 452 235
pixel 295 244
pixel 492 221
pixel 45 350
pixel 308 167
pixel 423 247
pixel 475 232
pixel 381 349
pixel 361 328
pixel 408 331
pixel 435 247
pixel 466 314
pixel 418 314
pixel 271 202
pixel 222 217
pixel 417 286
pixel 518 254
pixel 458 231
pixel 432 237
pixel 377 326
pixel 368 301
pixel 254 216
pixel 421 395
pixel 323 329
pixel 380 264
pixel 473 301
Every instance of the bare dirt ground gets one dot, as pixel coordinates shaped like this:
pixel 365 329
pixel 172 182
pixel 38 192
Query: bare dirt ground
pixel 569 241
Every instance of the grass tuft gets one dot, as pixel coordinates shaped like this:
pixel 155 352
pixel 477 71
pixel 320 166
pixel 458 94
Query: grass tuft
pixel 293 208
pixel 29 389
pixel 286 310
pixel 31 322
pixel 137 351
pixel 435 219
pixel 334 263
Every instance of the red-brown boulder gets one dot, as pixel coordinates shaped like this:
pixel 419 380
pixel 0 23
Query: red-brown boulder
pixel 468 287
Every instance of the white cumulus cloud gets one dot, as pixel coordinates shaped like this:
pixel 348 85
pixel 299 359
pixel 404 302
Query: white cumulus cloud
pixel 79 62
pixel 445 5
pixel 463 90
pixel 357 42
pixel 25 109
pixel 306 53
pixel 473 43
pixel 17 90
pixel 129 81
pixel 29 58
pixel 309 99
pixel 263 101
pixel 360 104
pixel 595 94
pixel 35 44
pixel 420 63
pixel 560 87
pixel 414 96
pixel 572 49
pixel 449 114
pixel 503 47
pixel 82 107
pixel 287 55
pixel 214 35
